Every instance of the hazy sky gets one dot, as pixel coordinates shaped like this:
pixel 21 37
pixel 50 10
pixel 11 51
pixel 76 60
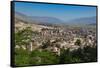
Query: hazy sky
pixel 63 12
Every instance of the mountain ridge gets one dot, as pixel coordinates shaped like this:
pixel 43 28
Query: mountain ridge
pixel 43 20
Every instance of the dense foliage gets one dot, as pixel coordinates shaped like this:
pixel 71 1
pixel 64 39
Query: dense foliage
pixel 87 54
pixel 23 57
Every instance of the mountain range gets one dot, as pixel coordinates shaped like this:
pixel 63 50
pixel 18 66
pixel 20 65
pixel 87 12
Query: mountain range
pixel 52 20
pixel 38 19
pixel 85 21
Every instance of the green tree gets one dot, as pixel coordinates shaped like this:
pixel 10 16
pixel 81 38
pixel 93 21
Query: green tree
pixel 21 57
pixel 43 57
pixel 46 44
pixel 65 57
pixel 90 54
pixel 68 56
pixel 78 42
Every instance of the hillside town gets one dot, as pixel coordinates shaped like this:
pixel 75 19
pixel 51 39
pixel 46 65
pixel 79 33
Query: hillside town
pixel 55 38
